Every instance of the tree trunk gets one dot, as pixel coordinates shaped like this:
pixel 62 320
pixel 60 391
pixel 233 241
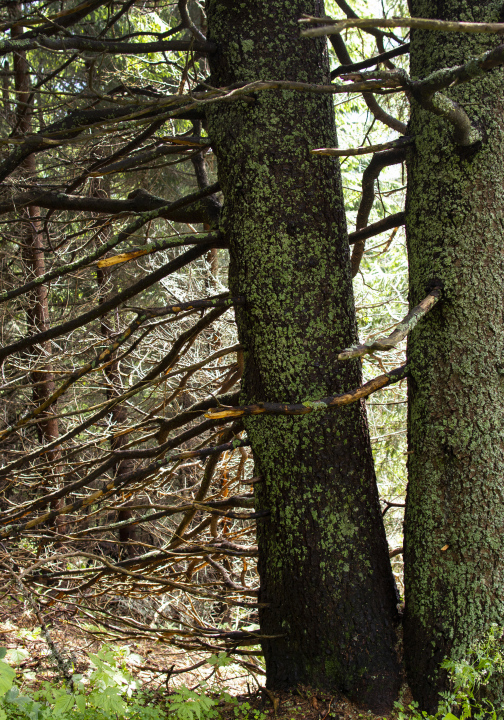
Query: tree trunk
pixel 329 602
pixel 455 211
pixel 33 252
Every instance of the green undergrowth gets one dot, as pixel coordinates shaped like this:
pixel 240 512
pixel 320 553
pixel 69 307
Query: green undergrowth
pixel 471 682
pixel 109 692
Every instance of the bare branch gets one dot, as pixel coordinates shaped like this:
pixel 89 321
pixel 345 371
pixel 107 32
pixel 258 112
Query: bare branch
pixel 349 67
pixel 426 92
pixel 116 484
pixel 205 210
pixel 114 302
pixel 396 551
pixel 388 223
pixel 366 150
pixel 326 26
pixel 383 116
pixel 166 426
pixel 180 240
pixel 105 355
pixel 378 162
pixel 63 19
pixel 269 408
pixel 448 77
pixel 188 23
pixel 465 132
pixel 110 47
pixel 401 331
pixel 350 13
pixel 178 535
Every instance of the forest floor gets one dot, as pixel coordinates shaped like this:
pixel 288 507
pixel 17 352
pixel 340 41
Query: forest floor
pixel 157 666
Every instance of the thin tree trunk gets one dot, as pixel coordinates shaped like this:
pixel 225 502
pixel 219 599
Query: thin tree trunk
pixel 200 170
pixel 326 581
pixel 454 567
pixel 33 251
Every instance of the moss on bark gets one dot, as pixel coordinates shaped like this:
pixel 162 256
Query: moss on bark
pixel 325 573
pixel 455 215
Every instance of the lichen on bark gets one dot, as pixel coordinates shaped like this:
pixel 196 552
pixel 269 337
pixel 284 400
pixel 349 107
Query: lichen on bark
pixel 454 570
pixel 326 580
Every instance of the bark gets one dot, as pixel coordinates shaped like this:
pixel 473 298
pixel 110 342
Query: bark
pixel 200 170
pixel 323 559
pixel 37 315
pixel 454 512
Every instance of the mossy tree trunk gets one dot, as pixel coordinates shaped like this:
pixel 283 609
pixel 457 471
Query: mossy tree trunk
pixel 326 581
pixel 454 525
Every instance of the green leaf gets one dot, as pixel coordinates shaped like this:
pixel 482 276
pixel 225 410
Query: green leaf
pixel 3 652
pixel 450 716
pixel 7 676
pixel 220 660
pixel 63 704
pixel 17 655
pixel 12 694
pixel 80 701
pixel 112 702
pixel 34 711
pixel 108 701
